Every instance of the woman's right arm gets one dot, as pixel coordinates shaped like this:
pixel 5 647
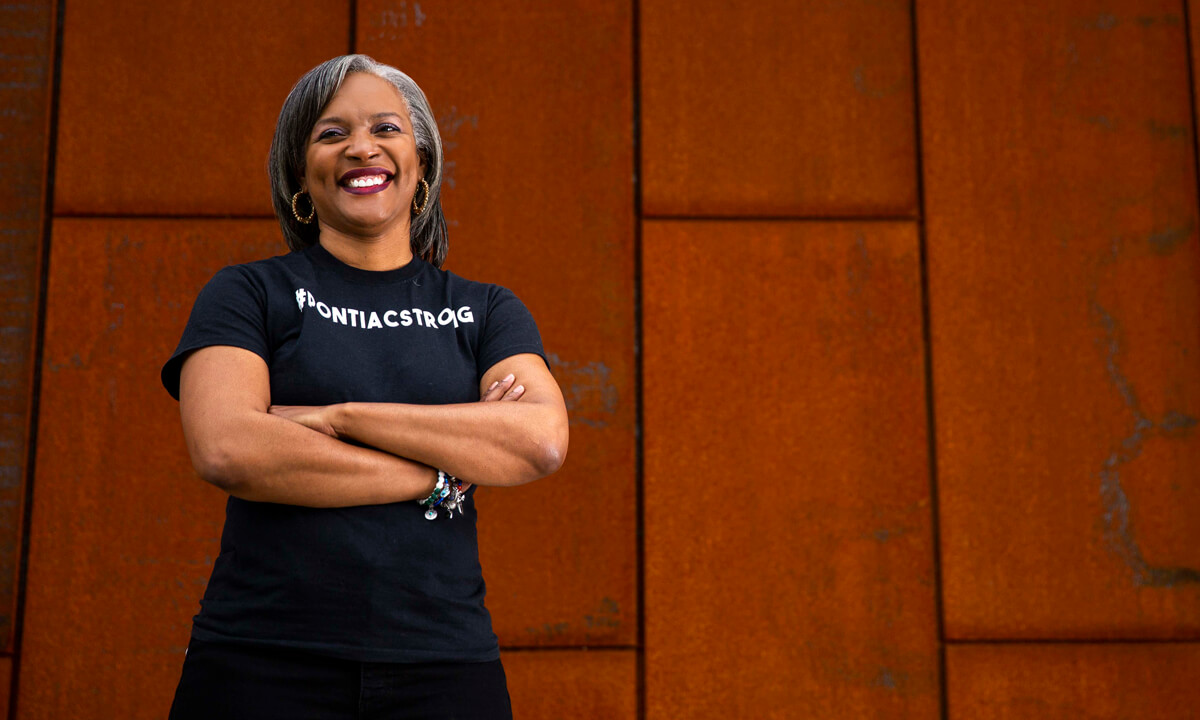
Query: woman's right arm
pixel 235 444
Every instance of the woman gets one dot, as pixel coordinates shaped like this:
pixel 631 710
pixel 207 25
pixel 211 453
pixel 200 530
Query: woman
pixel 332 393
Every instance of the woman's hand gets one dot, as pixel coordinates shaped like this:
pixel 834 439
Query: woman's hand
pixel 503 390
pixel 314 417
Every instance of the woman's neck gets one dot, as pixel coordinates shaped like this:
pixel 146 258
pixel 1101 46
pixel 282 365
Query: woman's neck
pixel 368 253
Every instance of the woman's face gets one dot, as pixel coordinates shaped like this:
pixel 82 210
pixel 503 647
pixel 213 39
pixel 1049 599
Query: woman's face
pixel 362 166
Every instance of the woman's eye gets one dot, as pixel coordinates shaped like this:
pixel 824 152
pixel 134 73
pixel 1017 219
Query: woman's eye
pixel 387 127
pixel 326 134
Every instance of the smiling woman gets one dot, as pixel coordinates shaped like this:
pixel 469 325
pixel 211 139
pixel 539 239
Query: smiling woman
pixel 345 395
pixel 331 111
pixel 362 166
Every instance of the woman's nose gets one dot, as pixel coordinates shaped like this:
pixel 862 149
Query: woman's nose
pixel 362 145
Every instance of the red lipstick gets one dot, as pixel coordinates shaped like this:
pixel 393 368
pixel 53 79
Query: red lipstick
pixel 381 176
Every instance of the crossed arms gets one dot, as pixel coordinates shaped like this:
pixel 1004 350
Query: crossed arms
pixel 293 454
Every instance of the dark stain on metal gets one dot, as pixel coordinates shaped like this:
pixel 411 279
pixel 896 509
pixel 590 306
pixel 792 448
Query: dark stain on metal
pixel 549 630
pixel 885 534
pixel 1167 130
pixel 858 77
pixel 1176 421
pixel 1103 21
pixel 1167 240
pixel 113 256
pixel 858 270
pixel 885 679
pixel 590 396
pixel 1118 528
pixel 75 362
pixel 828 651
pixel 606 616
pixel 1147 21
pixel 858 278
pixel 449 125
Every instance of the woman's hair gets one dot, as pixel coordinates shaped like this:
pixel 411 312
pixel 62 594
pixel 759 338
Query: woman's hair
pixel 299 115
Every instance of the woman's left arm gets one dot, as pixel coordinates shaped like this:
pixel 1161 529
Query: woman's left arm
pixel 486 443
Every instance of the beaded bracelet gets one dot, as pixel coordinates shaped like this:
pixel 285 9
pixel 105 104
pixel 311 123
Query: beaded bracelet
pixel 437 489
pixel 447 494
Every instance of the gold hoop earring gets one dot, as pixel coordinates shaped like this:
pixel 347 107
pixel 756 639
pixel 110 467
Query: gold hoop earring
pixel 305 220
pixel 421 209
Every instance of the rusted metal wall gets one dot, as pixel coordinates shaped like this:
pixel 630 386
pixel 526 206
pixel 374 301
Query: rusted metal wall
pixel 1070 681
pixel 912 289
pixel 788 514
pixel 26 91
pixel 571 683
pixel 1063 273
pixel 1061 232
pixel 788 524
pixel 180 101
pixel 777 108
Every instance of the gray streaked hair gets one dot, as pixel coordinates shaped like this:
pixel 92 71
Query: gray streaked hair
pixel 285 163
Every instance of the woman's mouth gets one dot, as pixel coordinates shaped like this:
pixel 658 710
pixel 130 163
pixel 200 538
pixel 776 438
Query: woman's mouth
pixel 365 181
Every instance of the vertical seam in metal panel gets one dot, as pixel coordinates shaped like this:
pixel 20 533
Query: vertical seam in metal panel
pixel 38 343
pixel 639 431
pixel 930 420
pixel 1187 36
pixel 353 26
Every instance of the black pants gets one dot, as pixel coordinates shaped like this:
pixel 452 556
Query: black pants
pixel 228 681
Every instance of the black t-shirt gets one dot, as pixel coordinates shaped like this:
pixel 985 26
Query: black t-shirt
pixel 369 583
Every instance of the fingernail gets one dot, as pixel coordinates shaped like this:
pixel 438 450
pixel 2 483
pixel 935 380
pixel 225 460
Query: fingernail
pixel 493 387
pixel 509 377
pixel 519 389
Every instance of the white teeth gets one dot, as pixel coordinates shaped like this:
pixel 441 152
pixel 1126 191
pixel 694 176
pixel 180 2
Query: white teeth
pixel 366 181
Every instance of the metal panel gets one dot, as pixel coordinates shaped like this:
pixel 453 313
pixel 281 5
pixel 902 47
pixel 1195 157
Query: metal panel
pixel 123 532
pixel 535 108
pixel 788 523
pixel 556 684
pixel 169 108
pixel 1192 11
pixel 6 668
pixel 1063 276
pixel 1110 681
pixel 777 108
pixel 27 39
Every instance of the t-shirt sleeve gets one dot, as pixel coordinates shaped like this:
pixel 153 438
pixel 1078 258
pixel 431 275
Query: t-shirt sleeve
pixel 508 330
pixel 230 310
